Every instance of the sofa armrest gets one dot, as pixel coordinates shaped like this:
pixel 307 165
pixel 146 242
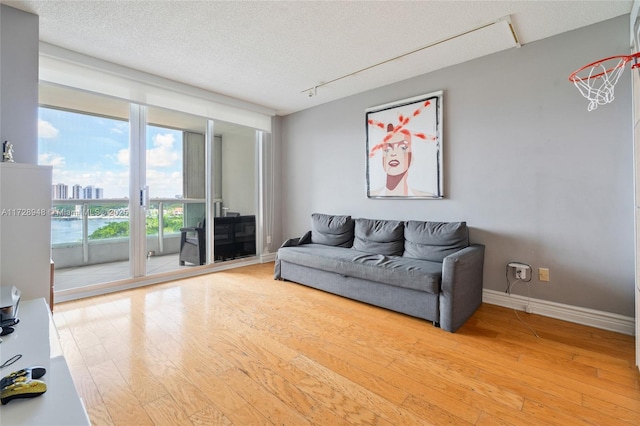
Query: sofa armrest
pixel 305 239
pixel 461 290
pixel 291 242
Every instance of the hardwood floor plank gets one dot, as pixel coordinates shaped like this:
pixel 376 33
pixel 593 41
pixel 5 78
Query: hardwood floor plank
pixel 267 377
pixel 407 391
pixel 461 375
pixel 436 415
pixel 210 416
pixel 270 405
pixel 502 416
pixel 248 415
pixel 626 378
pixel 166 411
pixel 237 347
pixel 629 414
pixel 187 395
pixel 222 395
pixel 99 415
pixel 122 404
pixel 369 400
pixel 550 416
pixel 333 358
pixel 86 387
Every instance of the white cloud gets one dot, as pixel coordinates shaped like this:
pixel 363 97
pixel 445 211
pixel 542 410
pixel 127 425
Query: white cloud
pixel 164 185
pixel 119 128
pixel 123 157
pixel 46 130
pixel 51 159
pixel 162 155
pixel 115 184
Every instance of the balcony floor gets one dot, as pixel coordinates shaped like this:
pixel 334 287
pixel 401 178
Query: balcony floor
pixel 80 276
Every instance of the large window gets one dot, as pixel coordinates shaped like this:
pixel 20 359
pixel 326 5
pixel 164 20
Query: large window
pixel 128 180
pixel 90 159
pixel 88 154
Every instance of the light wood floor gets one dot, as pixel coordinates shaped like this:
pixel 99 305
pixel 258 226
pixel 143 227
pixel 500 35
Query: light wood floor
pixel 237 347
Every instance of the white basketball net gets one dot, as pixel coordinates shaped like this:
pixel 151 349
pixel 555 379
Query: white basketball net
pixel 599 89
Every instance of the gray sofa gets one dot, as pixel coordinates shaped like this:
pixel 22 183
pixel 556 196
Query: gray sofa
pixel 425 269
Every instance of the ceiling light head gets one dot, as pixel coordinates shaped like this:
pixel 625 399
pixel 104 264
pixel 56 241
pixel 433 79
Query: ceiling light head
pixel 312 92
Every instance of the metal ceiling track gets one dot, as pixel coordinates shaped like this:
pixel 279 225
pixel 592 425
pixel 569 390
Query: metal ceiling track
pixel 313 91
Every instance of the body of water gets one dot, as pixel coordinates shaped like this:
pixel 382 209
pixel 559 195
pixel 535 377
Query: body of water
pixel 70 230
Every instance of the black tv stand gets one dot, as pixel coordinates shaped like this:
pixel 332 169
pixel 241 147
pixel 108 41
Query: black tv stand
pixel 234 237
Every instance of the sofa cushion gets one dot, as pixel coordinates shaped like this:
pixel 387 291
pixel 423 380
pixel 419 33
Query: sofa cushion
pixel 379 236
pixel 397 271
pixel 331 230
pixel 434 240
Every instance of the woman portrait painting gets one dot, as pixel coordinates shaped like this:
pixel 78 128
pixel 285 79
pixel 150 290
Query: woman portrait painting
pixel 403 146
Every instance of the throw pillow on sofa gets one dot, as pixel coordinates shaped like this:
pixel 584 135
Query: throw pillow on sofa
pixel 434 240
pixel 379 236
pixel 331 230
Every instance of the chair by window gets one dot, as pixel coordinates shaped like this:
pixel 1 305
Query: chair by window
pixel 193 248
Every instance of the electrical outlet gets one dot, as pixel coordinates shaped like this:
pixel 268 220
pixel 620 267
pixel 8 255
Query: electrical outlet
pixel 521 273
pixel 521 270
pixel 543 274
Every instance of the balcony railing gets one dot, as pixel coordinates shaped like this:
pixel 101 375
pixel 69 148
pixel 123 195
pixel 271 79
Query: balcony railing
pixel 75 221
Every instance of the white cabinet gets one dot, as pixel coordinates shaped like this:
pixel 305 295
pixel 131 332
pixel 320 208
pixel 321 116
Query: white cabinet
pixel 25 228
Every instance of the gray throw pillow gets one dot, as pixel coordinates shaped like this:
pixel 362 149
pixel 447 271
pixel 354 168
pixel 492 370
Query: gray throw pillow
pixel 379 236
pixel 331 230
pixel 434 240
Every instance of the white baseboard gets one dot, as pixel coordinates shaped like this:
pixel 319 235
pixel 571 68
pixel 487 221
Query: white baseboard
pixel 584 316
pixel 268 257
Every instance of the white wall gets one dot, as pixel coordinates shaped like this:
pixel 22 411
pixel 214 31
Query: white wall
pixel 19 82
pixel 239 171
pixel 538 178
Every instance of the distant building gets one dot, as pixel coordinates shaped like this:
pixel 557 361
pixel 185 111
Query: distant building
pixel 59 191
pixel 76 192
pixel 87 192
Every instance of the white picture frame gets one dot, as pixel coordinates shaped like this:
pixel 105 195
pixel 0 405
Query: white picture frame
pixel 404 148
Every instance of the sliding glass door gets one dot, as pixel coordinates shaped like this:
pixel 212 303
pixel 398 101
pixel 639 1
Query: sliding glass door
pixel 175 177
pixel 144 191
pixel 236 224
pixel 128 180
pixel 87 143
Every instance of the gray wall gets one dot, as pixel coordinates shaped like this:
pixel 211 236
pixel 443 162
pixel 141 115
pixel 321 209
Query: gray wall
pixel 19 83
pixel 538 178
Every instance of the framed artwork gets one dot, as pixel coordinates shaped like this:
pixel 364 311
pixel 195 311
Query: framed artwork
pixel 404 148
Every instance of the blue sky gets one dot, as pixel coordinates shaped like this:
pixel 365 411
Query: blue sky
pixel 90 150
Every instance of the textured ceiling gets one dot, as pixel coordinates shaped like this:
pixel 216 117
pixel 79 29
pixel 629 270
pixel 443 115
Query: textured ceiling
pixel 270 52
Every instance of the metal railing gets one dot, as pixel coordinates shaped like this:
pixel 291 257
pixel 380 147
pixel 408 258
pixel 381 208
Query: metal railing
pixel 116 210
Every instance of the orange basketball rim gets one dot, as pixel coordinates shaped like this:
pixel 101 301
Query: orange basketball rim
pixel 596 81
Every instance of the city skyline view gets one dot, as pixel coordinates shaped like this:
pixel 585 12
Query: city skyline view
pixel 62 191
pixel 89 150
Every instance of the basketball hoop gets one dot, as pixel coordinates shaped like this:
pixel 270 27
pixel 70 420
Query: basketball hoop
pixel 599 78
